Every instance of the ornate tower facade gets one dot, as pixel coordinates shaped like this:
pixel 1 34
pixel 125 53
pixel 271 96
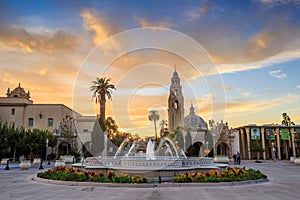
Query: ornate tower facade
pixel 175 104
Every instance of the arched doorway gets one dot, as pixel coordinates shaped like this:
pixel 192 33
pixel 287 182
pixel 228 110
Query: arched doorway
pixel 195 150
pixel 64 148
pixel 223 149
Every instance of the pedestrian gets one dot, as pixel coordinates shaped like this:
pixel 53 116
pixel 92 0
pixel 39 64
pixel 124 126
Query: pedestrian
pixel 234 159
pixel 238 157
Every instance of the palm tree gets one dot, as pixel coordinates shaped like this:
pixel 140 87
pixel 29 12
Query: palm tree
pixel 154 116
pixel 102 89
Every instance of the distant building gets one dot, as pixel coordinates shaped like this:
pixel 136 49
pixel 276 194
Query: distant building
pixel 192 122
pixel 284 140
pixel 175 103
pixel 17 108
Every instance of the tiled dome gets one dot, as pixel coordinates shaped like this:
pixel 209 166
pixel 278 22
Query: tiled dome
pixel 194 122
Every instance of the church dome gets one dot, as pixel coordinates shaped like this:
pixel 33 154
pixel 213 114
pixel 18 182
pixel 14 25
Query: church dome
pixel 194 122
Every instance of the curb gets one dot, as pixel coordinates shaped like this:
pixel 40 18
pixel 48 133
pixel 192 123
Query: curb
pixel 148 185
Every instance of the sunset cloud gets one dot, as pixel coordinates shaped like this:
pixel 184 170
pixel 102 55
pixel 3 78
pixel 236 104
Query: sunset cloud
pixel 21 39
pixel 48 53
pixel 96 23
pixel 161 24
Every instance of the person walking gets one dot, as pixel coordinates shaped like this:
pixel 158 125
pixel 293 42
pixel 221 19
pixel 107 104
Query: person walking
pixel 276 155
pixel 234 159
pixel 238 157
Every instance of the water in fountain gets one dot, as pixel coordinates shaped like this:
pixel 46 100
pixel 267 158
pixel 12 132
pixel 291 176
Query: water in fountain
pixel 130 151
pixel 125 149
pixel 165 161
pixel 150 155
pixel 167 148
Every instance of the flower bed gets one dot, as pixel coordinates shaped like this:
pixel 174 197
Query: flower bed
pixel 69 174
pixel 228 175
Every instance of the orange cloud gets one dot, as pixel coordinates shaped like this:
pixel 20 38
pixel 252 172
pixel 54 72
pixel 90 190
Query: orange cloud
pixel 161 24
pixel 21 39
pixel 95 25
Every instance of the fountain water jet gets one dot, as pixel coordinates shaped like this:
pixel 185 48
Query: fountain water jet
pixel 165 162
pixel 150 150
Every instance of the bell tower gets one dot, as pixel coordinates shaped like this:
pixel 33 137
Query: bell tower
pixel 175 103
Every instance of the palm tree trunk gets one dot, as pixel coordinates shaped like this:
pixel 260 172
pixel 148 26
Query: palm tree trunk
pixel 102 106
pixel 155 130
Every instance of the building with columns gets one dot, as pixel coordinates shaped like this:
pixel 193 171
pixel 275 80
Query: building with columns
pixel 284 140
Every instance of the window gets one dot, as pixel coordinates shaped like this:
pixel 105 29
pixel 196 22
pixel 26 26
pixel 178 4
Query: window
pixel 50 121
pixel 30 122
pixel 13 111
pixel 85 130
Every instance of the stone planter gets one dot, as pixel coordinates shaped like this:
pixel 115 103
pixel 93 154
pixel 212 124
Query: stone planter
pixel 60 163
pixel 36 161
pixel 4 161
pixel 297 161
pixel 25 164
pixel 221 159
pixel 67 159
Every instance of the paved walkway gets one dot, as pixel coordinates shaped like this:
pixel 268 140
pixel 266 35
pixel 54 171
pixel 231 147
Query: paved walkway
pixel 284 179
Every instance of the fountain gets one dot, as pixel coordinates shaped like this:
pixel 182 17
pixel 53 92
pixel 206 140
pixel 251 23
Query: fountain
pixel 150 150
pixel 163 163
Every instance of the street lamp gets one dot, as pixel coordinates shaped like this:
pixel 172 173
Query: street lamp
pixel 206 150
pixel 47 142
pixel 81 155
pixel 273 151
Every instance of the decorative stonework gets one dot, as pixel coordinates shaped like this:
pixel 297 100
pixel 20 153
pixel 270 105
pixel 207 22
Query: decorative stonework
pixel 175 103
pixel 18 92
pixel 194 122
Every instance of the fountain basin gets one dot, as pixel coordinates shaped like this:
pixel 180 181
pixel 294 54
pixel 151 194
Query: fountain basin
pixel 162 168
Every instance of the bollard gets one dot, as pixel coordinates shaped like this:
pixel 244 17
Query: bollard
pixel 7 165
pixel 41 164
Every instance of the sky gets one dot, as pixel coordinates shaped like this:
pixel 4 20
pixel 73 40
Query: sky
pixel 238 60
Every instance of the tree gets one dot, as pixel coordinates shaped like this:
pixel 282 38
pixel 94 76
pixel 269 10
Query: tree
pixel 16 141
pixel 164 131
pixel 36 139
pixel 97 139
pixel 179 137
pixel 111 127
pixel 154 116
pixel 101 89
pixel 188 139
pixel 287 120
pixel 256 148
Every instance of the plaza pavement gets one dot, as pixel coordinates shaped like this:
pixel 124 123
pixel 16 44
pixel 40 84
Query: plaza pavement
pixel 283 184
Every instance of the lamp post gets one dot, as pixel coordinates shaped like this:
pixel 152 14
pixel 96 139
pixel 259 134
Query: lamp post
pixel 206 150
pixel 47 142
pixel 273 151
pixel 81 155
